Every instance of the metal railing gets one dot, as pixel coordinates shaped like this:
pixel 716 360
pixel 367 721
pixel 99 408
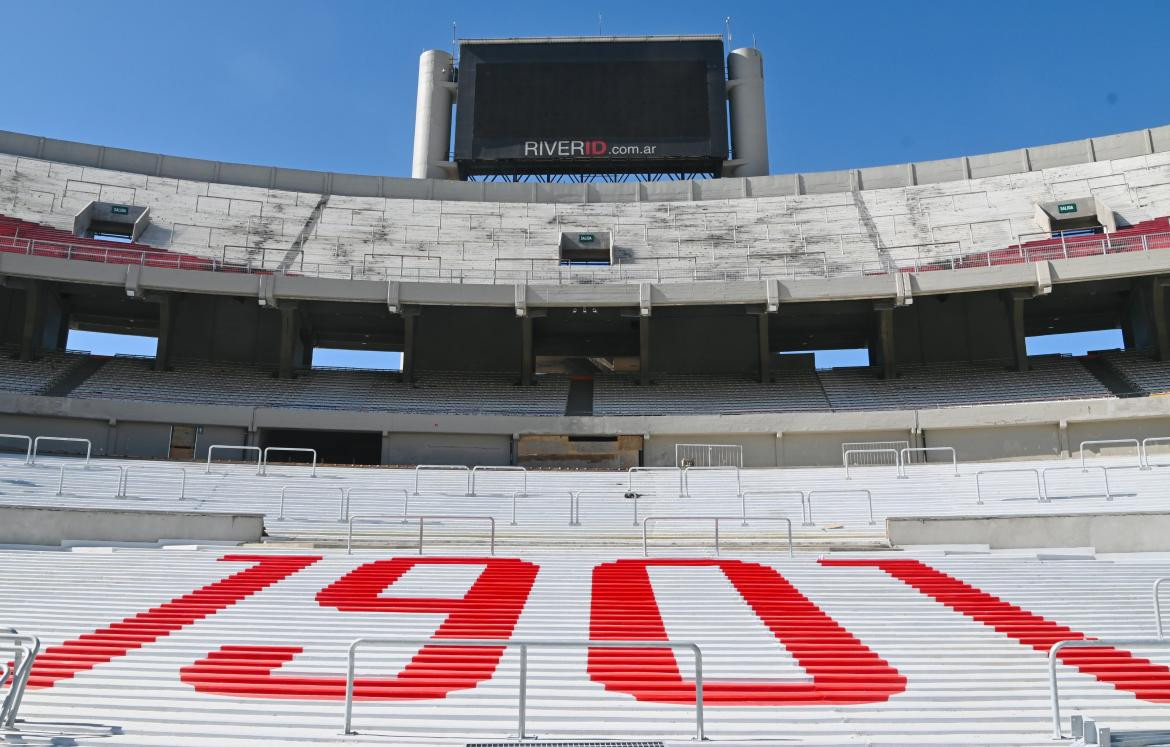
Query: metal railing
pixel 524 645
pixel 1145 450
pixel 716 519
pixel 379 491
pixel 268 449
pixel 37 445
pixel 1158 606
pixel 686 480
pixel 496 468
pixel 124 486
pixel 28 449
pixel 25 649
pixel 422 520
pixel 868 498
pixel 226 447
pixel 979 487
pixel 1054 653
pixel 342 498
pixel 925 451
pixel 1113 442
pixel 1048 493
pixel 897 459
pixel 869 446
pixel 444 468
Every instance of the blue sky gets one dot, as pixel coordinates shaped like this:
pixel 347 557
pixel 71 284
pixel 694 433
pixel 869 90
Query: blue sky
pixel 331 85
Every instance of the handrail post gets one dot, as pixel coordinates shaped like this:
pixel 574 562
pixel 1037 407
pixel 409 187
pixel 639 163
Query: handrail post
pixel 1158 607
pixel 349 688
pixel 523 704
pixel 716 536
pixel 699 732
pixel 421 523
pixel 1053 688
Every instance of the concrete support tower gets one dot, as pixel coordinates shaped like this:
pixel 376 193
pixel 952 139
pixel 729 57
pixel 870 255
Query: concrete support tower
pixel 432 116
pixel 749 127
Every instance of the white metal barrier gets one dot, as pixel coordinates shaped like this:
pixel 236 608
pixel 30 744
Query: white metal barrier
pixel 37 445
pixel 378 492
pixel 28 448
pixel 124 486
pixel 979 475
pixel 494 468
pixel 805 517
pixel 686 480
pixel 226 447
pixel 646 527
pixel 342 498
pixel 639 470
pixel 25 649
pixel 1113 442
pixel 1054 652
pixel 925 451
pixel 865 452
pixel 868 498
pixel 422 519
pixel 871 446
pixel 1048 493
pixel 268 449
pixel 1145 450
pixel 117 484
pixel 524 645
pixel 708 455
pixel 444 468
pixel 1158 606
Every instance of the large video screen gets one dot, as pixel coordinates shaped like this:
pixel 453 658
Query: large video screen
pixel 545 104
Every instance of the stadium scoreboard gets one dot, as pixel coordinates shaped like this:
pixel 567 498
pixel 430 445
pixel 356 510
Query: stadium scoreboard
pixel 591 106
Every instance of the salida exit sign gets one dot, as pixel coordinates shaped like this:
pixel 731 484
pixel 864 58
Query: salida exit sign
pixel 1066 207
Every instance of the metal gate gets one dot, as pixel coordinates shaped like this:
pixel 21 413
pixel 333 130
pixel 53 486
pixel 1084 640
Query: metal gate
pixel 708 455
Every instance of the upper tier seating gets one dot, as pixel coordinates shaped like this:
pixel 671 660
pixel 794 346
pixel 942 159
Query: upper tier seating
pixel 1140 369
pixel 33 377
pixel 957 384
pixel 201 382
pixel 696 394
pixel 976 220
pixel 453 392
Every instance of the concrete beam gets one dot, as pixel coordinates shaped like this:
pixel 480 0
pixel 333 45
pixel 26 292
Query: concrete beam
pixel 644 350
pixel 167 303
pixel 885 335
pixel 1014 300
pixel 527 357
pixel 410 316
pixel 34 307
pixel 52 525
pixel 765 349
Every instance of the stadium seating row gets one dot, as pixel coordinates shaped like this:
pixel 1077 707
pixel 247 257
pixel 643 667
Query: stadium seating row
pixel 450 392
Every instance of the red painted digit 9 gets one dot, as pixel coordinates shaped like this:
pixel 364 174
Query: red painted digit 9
pixel 489 609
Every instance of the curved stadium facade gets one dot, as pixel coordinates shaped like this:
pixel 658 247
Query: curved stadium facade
pixel 599 460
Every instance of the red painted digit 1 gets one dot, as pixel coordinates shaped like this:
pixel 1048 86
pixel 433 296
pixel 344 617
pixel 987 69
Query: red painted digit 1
pixel 1121 669
pixel 490 609
pixel 843 670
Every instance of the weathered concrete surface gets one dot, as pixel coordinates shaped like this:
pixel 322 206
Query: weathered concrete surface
pixel 44 525
pixel 1120 532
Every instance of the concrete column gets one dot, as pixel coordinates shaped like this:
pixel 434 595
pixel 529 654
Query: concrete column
pixel 749 127
pixel 30 338
pixel 432 115
pixel 166 331
pixel 289 336
pixel 1015 307
pixel 527 357
pixel 409 319
pixel 1158 319
pixel 765 352
pixel 885 334
pixel 644 349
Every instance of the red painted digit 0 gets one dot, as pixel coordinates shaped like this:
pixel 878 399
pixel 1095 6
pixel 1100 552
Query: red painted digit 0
pixel 490 609
pixel 1121 669
pixel 843 669
pixel 82 654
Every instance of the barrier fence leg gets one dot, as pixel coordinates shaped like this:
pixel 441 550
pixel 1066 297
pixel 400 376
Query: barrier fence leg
pixel 523 705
